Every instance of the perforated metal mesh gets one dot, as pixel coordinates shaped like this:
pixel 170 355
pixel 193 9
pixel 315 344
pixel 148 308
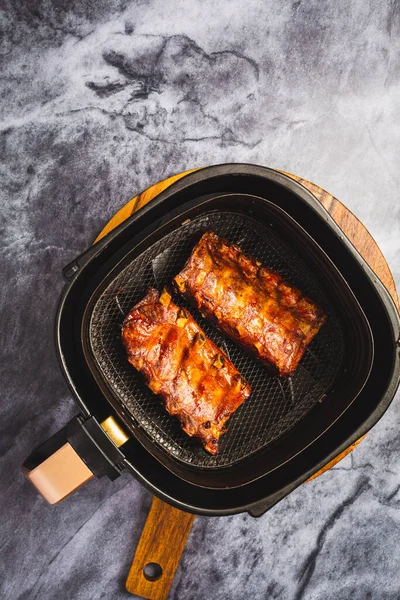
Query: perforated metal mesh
pixel 275 405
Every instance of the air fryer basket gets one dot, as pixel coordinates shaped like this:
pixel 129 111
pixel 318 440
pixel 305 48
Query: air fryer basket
pixel 358 395
pixel 282 416
pixel 276 404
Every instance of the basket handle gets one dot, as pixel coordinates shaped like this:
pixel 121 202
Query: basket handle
pixel 81 450
pixel 159 551
pixel 59 475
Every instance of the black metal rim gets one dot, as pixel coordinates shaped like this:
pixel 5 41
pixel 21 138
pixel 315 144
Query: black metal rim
pixel 286 450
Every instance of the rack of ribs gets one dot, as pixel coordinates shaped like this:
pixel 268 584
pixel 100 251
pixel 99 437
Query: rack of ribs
pixel 249 302
pixel 195 379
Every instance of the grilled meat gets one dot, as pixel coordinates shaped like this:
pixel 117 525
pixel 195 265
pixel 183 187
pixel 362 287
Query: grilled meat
pixel 251 303
pixel 196 380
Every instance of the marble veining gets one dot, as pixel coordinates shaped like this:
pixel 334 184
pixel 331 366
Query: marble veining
pixel 98 101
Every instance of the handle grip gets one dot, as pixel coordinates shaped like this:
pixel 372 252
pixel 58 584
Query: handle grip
pixel 159 550
pixel 59 475
pixel 81 450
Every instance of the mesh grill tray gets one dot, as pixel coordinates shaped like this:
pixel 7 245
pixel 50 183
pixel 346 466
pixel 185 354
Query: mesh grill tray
pixel 275 404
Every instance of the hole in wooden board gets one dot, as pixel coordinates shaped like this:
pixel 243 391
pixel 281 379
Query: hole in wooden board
pixel 152 571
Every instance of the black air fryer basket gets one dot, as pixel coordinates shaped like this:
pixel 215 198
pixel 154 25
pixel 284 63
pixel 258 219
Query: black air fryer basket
pixel 289 427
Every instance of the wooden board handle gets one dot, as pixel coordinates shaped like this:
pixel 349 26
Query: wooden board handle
pixel 159 551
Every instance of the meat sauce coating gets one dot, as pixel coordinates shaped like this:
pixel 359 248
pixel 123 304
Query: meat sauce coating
pixel 195 379
pixel 250 302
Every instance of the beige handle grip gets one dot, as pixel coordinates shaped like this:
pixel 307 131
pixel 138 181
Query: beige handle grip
pixel 56 469
pixel 159 551
pixel 59 475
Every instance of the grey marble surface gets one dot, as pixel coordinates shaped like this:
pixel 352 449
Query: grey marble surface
pixel 98 101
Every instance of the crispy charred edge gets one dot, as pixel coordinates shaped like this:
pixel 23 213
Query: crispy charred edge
pixel 214 242
pixel 208 432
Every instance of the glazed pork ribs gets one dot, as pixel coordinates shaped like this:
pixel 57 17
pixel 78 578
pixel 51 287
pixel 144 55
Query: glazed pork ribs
pixel 249 302
pixel 196 380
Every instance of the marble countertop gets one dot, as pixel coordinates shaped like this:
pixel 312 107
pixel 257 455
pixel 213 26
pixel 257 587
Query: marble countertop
pixel 100 100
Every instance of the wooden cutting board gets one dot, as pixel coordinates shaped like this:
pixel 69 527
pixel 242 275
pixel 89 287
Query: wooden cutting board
pixel 167 528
